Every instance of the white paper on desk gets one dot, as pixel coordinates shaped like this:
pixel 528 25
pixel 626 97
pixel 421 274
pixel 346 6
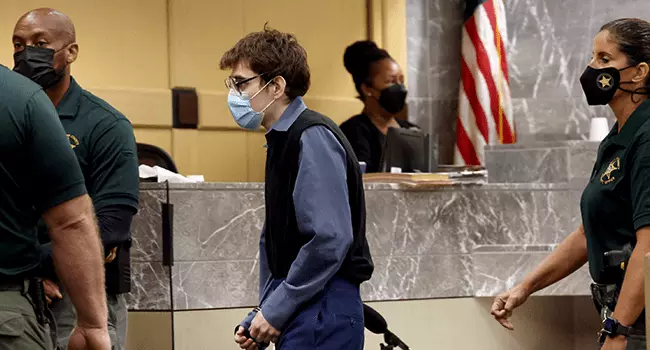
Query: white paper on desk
pixel 165 175
pixel 147 172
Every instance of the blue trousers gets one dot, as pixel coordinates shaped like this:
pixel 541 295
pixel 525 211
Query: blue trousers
pixel 332 320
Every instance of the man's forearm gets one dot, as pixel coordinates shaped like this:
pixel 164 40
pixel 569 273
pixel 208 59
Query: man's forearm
pixel 631 299
pixel 569 256
pixel 77 256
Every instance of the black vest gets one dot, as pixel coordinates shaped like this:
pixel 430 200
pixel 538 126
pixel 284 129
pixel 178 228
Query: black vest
pixel 282 238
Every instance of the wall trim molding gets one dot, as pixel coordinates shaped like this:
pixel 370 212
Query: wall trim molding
pixel 143 107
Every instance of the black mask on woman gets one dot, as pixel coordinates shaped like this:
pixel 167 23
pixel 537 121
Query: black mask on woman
pixel 600 85
pixel 37 64
pixel 393 98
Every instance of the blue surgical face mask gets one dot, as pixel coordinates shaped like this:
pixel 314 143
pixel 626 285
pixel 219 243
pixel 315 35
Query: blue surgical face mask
pixel 242 111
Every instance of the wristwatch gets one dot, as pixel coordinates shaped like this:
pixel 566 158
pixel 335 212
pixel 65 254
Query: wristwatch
pixel 612 328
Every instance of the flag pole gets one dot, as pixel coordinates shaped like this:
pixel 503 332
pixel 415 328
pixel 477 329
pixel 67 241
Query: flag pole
pixel 497 34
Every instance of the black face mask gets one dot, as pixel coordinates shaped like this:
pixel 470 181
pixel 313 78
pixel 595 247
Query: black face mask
pixel 393 98
pixel 37 64
pixel 600 85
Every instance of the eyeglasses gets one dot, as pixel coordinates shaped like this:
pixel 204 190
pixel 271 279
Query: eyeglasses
pixel 232 83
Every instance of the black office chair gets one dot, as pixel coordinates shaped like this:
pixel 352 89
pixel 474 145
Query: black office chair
pixel 151 155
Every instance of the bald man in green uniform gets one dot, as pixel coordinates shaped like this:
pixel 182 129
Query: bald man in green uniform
pixel 102 138
pixel 39 176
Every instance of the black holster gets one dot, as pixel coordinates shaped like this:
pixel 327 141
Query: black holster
pixel 604 295
pixel 34 289
pixel 615 264
pixel 118 272
pixel 36 293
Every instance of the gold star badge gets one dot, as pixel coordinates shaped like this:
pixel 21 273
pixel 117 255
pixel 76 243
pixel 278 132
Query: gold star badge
pixel 74 142
pixel 605 81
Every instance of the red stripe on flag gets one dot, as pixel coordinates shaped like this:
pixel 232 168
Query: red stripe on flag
pixel 498 40
pixel 504 61
pixel 469 85
pixel 483 61
pixel 465 146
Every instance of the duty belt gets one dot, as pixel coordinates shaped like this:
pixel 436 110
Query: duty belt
pixel 605 297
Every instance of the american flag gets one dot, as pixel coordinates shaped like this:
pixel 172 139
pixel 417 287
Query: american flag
pixel 484 106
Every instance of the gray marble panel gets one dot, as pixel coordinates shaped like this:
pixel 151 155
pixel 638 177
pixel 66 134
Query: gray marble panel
pixel 544 119
pixel 444 222
pixel 420 113
pixel 541 165
pixel 542 162
pixel 516 248
pixel 495 273
pixel 444 115
pixel 217 225
pixel 520 217
pixel 548 47
pixel 416 223
pixel 444 54
pixel 446 9
pixel 215 284
pixel 419 277
pixel 581 163
pixel 203 186
pixel 445 36
pixel 417 46
pixel 416 9
pixel 544 144
pixel 444 82
pixel 607 10
pixel 146 229
pixel 150 287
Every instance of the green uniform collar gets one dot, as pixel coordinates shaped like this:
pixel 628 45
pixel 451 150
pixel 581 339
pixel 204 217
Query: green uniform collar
pixel 632 125
pixel 69 105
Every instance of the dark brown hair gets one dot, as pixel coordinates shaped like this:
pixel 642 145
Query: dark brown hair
pixel 633 38
pixel 359 59
pixel 273 54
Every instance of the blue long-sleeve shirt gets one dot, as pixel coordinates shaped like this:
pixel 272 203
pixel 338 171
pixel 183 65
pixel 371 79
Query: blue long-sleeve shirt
pixel 323 213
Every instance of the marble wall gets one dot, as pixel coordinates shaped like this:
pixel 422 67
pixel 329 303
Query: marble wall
pixel 426 243
pixel 150 289
pixel 549 46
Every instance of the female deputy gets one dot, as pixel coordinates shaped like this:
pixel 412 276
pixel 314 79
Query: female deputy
pixel 615 233
pixel 380 84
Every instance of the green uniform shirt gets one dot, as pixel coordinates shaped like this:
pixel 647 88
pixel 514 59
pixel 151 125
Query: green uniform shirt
pixel 103 140
pixel 616 202
pixel 38 170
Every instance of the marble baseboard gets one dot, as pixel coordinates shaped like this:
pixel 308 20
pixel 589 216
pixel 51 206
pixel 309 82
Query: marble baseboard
pixel 419 277
pixel 149 287
pixel 225 284
pixel 231 284
pixel 498 272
